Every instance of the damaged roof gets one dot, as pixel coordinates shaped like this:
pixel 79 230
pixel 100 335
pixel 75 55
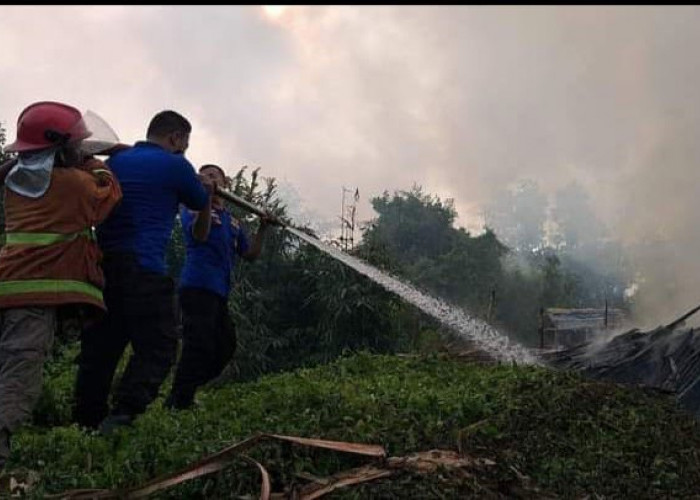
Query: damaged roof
pixel 665 358
pixel 573 319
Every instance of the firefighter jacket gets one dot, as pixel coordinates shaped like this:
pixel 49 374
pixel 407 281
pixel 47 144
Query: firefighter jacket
pixel 50 256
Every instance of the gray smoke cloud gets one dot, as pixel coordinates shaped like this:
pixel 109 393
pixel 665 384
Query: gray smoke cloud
pixel 463 100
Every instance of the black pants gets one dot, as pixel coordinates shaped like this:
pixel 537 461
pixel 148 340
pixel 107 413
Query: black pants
pixel 208 344
pixel 140 311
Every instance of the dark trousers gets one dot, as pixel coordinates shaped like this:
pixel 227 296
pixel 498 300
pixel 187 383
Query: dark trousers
pixel 140 311
pixel 208 344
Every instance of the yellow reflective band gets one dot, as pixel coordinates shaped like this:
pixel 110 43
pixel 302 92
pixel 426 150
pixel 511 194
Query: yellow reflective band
pixel 49 286
pixel 44 238
pixel 101 171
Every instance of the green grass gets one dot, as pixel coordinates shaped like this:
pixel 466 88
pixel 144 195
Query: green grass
pixel 570 436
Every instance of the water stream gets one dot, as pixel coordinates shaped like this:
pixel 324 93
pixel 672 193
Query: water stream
pixel 483 335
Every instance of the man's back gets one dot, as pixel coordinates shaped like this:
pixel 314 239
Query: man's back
pixel 154 181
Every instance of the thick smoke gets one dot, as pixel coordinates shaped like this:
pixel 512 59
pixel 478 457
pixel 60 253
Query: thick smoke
pixel 464 100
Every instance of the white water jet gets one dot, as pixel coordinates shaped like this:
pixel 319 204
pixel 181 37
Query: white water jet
pixel 481 333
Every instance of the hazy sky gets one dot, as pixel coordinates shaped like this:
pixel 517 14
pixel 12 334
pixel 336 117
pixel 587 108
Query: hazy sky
pixel 460 99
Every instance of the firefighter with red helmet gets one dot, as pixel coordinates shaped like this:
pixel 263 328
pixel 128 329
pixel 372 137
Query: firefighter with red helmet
pixel 54 198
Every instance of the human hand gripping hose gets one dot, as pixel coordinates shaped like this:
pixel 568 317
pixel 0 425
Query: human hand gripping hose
pixel 246 205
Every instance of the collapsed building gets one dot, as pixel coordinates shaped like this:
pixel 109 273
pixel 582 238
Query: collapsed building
pixel 667 358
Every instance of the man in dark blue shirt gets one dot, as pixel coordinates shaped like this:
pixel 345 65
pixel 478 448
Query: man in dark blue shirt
pixel 213 240
pixel 155 178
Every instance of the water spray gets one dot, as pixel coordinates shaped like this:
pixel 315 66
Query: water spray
pixel 471 328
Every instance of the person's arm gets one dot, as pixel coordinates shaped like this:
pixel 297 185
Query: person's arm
pixel 202 219
pixel 187 219
pixel 191 192
pixel 107 190
pixel 252 252
pixel 195 193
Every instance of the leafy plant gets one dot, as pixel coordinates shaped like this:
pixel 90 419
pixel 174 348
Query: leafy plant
pixel 570 437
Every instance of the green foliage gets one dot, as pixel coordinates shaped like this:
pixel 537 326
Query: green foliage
pixel 297 307
pixel 305 308
pixel 413 224
pixel 56 400
pixel 55 404
pixel 572 437
pixel 415 238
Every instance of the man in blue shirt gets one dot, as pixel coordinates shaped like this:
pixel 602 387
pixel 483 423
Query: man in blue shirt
pixel 155 178
pixel 214 240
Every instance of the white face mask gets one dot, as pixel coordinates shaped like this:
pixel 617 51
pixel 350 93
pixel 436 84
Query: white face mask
pixel 31 176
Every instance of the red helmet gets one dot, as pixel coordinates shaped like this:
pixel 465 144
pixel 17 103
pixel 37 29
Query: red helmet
pixel 44 124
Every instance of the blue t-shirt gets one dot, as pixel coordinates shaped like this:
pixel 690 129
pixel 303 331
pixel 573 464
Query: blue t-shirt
pixel 209 264
pixel 154 182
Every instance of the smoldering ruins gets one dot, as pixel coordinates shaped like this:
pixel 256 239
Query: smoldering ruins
pixel 666 358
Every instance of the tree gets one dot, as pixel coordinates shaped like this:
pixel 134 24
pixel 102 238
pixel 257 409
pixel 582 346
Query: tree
pixel 587 250
pixel 575 219
pixel 415 225
pixel 518 216
pixel 415 235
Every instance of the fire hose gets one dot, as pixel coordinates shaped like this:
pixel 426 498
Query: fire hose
pixel 246 205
